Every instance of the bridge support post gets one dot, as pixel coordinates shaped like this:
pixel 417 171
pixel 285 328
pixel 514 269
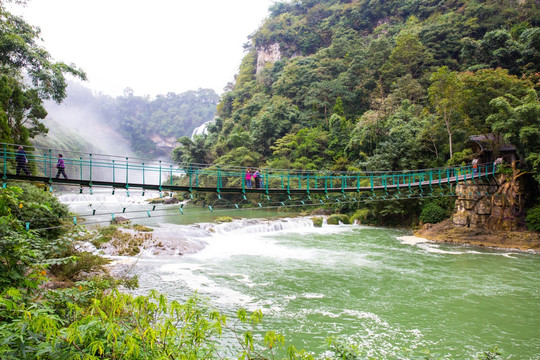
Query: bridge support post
pixel 288 182
pixel 90 169
pixel 218 179
pixel 190 187
pixel 159 177
pixel 5 161
pixel 50 165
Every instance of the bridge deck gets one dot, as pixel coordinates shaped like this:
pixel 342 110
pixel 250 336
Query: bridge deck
pixel 237 190
pixel 89 170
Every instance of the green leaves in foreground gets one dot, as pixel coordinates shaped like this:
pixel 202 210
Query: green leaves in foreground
pixel 121 326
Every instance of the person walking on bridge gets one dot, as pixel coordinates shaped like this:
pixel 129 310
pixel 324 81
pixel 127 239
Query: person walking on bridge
pixel 248 178
pixel 257 178
pixel 61 167
pixel 22 160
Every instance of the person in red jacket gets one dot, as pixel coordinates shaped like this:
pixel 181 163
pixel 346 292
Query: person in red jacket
pixel 248 178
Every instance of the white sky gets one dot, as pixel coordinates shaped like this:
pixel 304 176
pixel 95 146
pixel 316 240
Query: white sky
pixel 151 46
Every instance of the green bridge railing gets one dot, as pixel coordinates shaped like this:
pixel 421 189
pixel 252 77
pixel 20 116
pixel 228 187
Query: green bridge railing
pixel 86 169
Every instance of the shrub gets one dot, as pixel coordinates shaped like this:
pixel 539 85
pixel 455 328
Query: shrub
pixel 463 157
pixel 43 208
pixel 432 214
pixel 115 325
pixel 533 219
pixel 82 262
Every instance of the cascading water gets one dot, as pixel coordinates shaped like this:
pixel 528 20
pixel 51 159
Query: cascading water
pixel 375 286
pixel 380 288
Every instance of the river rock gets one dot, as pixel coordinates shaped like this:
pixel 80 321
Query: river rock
pixel 120 220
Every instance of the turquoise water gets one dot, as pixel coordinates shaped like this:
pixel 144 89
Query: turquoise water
pixel 368 285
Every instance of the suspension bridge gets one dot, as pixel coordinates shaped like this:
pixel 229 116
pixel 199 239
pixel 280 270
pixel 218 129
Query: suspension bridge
pixel 87 170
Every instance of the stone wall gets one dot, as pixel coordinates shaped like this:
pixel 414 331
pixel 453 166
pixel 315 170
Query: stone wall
pixel 491 204
pixel 473 205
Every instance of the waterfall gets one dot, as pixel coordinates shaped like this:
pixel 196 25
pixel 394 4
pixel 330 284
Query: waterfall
pixel 201 129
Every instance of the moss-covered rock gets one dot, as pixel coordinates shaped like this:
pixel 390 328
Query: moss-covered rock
pixel 223 219
pixel 360 216
pixel 141 228
pixel 335 219
pixel 123 241
pixel 317 221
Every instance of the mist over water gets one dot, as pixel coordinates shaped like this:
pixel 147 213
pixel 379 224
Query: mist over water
pixel 69 122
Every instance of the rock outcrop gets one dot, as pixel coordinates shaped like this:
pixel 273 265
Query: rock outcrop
pixel 494 204
pixel 267 54
pixel 167 144
pixel 473 203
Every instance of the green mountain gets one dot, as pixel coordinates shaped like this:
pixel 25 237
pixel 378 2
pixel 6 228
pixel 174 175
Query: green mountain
pixel 383 85
pixel 125 125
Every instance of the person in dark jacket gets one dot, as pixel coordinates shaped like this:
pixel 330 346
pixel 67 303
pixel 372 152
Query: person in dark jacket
pixel 22 161
pixel 257 177
pixel 61 167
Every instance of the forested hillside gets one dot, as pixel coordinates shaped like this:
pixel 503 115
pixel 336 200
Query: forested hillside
pixel 148 127
pixel 381 85
pixel 147 122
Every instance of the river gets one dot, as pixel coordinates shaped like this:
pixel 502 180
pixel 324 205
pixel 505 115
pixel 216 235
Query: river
pixel 377 287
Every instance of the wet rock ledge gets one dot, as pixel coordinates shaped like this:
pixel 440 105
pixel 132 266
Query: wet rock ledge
pixel 447 232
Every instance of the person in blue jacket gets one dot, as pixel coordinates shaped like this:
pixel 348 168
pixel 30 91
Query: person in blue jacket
pixel 22 160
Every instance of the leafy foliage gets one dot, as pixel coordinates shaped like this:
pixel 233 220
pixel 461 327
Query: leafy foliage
pixel 20 248
pixel 432 214
pixel 533 218
pixel 28 77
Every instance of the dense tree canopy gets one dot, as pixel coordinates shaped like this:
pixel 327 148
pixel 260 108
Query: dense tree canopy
pixel 384 85
pixel 28 76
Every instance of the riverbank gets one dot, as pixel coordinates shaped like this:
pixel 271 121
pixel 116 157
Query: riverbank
pixel 446 232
